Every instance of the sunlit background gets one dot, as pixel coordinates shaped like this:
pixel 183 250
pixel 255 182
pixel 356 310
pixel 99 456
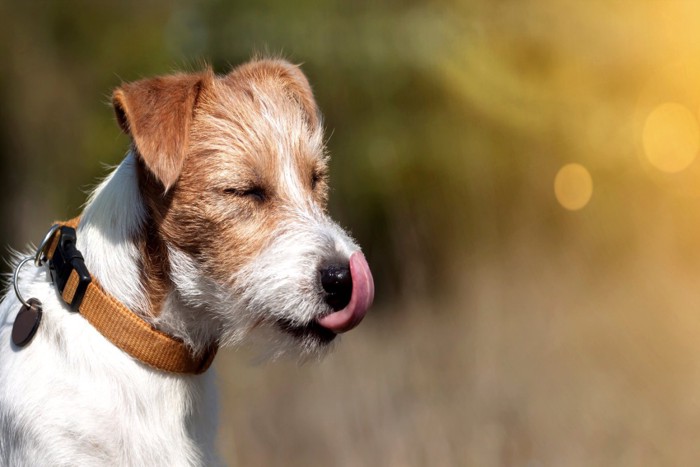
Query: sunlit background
pixel 523 176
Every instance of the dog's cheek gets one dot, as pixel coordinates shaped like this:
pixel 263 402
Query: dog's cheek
pixel 233 244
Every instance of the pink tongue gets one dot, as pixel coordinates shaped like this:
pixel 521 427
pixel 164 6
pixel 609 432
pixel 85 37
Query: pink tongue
pixel 361 299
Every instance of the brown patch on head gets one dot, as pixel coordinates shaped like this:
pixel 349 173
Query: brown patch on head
pixel 289 77
pixel 252 154
pixel 157 114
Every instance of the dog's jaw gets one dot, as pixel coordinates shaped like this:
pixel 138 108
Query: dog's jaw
pixel 272 303
pixel 280 290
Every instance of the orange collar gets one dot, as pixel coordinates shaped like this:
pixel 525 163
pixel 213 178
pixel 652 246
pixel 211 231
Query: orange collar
pixel 111 318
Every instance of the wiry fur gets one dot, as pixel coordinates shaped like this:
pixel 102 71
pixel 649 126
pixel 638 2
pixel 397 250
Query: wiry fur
pixel 185 244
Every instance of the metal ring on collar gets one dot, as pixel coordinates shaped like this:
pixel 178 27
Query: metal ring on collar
pixel 44 246
pixel 15 276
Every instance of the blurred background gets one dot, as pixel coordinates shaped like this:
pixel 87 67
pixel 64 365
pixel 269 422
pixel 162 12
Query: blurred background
pixel 523 176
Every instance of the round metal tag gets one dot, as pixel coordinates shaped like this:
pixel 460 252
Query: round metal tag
pixel 26 323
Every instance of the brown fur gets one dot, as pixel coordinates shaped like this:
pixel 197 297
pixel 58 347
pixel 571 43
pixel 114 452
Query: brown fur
pixel 157 113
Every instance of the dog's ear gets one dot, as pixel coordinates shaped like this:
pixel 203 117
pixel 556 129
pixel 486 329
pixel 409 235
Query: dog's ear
pixel 299 87
pixel 157 113
pixel 292 78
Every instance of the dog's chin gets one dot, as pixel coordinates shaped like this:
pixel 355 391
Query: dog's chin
pixel 310 332
pixel 286 339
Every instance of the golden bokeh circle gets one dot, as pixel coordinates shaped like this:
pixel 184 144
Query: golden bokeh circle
pixel 671 137
pixel 573 186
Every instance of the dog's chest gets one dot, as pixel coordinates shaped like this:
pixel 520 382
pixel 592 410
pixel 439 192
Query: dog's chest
pixel 70 396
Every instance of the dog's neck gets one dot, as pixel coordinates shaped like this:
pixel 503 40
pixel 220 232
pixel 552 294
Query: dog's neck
pixel 124 252
pixel 109 233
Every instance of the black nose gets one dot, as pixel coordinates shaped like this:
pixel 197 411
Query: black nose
pixel 337 283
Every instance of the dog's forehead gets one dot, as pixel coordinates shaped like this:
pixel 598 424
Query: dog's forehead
pixel 256 120
pixel 254 132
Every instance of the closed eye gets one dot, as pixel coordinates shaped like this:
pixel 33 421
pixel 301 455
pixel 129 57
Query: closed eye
pixel 255 193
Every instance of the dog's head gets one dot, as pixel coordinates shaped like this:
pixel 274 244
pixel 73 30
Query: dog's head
pixel 233 173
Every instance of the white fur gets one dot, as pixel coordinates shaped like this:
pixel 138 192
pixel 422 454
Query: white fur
pixel 72 398
pixel 280 283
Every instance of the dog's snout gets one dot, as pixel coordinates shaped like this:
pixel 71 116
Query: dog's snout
pixel 336 281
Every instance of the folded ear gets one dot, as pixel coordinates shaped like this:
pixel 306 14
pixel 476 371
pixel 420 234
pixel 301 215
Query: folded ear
pixel 157 114
pixel 299 88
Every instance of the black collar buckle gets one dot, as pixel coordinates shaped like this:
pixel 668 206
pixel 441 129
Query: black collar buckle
pixel 66 259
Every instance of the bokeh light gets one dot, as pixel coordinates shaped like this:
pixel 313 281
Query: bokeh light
pixel 671 137
pixel 573 186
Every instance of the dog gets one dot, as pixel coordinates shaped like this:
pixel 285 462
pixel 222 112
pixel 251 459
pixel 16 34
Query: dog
pixel 213 231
